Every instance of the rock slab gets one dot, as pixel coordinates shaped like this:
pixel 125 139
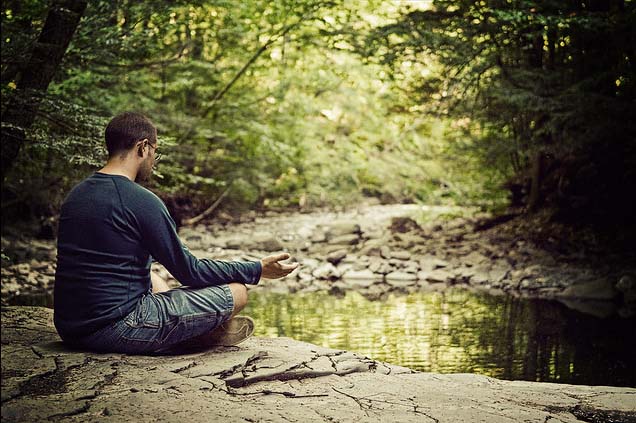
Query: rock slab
pixel 265 380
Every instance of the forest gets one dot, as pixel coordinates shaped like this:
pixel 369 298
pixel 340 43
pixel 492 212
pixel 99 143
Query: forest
pixel 499 104
pixel 445 189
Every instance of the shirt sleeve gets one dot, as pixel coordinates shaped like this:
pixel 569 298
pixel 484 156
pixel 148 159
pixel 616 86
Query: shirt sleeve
pixel 159 236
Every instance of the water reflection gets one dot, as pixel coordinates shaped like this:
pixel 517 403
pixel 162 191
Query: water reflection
pixel 458 331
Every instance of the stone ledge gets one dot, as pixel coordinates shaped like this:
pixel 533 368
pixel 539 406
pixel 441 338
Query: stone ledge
pixel 265 379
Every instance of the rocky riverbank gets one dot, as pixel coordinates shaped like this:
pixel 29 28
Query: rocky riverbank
pixel 380 249
pixel 265 380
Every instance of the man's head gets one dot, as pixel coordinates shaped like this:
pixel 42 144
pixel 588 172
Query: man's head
pixel 132 136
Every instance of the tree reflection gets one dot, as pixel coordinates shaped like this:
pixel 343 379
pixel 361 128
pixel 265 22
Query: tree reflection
pixel 459 331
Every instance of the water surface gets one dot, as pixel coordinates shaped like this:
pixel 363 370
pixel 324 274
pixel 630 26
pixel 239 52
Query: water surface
pixel 459 331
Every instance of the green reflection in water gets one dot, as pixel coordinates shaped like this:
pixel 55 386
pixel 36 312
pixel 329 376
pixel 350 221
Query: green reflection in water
pixel 458 331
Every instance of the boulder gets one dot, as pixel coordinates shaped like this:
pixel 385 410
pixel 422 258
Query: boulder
pixel 601 289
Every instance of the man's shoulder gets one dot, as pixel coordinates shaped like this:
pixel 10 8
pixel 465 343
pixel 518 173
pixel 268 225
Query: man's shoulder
pixel 138 194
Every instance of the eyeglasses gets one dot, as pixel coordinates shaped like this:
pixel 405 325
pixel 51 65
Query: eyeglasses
pixel 158 155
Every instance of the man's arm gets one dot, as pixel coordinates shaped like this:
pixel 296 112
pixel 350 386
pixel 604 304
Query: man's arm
pixel 160 238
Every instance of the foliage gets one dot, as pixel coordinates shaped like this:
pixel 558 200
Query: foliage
pixel 542 83
pixel 310 103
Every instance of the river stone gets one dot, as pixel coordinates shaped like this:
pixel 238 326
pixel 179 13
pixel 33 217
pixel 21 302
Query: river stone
pixel 338 288
pixel 32 278
pixel 373 233
pixel 318 236
pixel 359 274
pixel 22 269
pixel 601 289
pixel 234 243
pixel 326 271
pixel 403 224
pixel 533 283
pixel 465 274
pixel 338 229
pixel 411 267
pixel 265 242
pixel 308 262
pixel 360 278
pixel 304 276
pixel 431 263
pixel 435 276
pixel 400 255
pixel 481 276
pixel 401 279
pixel 372 247
pixel 407 241
pixel 345 267
pixel 474 258
pixel 344 240
pixel 498 272
pixel 627 285
pixel 377 265
pixel 337 256
pixel 10 287
pixel 396 264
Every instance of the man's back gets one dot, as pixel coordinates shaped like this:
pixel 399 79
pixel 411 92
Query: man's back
pixel 102 265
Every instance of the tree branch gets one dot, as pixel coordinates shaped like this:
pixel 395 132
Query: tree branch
pixel 196 219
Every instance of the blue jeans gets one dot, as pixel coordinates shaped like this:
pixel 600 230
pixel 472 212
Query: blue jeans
pixel 161 321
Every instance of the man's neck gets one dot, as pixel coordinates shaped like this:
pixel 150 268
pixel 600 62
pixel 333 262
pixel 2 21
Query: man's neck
pixel 119 167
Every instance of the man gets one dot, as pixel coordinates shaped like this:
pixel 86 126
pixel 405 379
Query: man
pixel 110 229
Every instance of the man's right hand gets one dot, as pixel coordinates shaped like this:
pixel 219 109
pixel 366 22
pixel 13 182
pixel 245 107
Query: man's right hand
pixel 272 269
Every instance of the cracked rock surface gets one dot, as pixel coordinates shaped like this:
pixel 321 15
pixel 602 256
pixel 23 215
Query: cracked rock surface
pixel 266 380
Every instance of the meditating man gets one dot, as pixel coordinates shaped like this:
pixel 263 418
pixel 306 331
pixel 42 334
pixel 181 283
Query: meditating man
pixel 106 298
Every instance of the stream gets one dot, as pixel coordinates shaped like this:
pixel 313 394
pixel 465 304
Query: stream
pixel 459 331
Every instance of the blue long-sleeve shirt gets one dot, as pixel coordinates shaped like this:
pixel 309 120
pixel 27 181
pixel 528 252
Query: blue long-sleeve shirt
pixel 110 228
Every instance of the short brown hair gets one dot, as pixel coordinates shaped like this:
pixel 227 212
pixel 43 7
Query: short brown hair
pixel 125 129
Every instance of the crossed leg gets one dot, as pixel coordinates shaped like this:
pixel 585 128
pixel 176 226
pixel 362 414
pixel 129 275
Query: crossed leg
pixel 239 291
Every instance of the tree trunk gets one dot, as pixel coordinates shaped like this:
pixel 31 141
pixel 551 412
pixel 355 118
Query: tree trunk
pixel 534 199
pixel 60 25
